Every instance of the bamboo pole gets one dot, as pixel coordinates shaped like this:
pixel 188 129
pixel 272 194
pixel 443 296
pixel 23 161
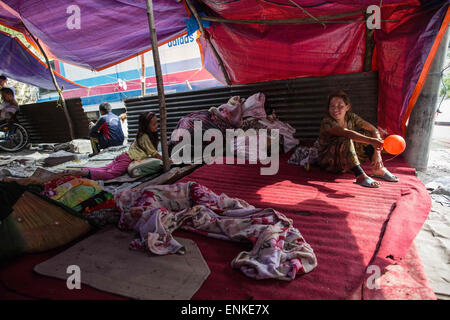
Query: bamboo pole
pixel 61 98
pixel 294 21
pixel 160 86
pixel 370 44
pixel 206 36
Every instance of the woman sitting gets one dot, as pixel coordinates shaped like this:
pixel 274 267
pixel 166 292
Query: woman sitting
pixel 342 146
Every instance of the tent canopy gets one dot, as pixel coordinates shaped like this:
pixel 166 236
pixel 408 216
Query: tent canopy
pixel 109 30
pixel 19 63
pixel 112 31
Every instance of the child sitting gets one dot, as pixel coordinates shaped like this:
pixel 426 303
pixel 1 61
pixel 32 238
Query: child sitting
pixel 143 146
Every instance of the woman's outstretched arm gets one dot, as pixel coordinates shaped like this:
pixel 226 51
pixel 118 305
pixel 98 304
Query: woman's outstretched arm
pixel 376 142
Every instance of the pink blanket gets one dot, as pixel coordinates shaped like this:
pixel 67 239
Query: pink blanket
pixel 279 250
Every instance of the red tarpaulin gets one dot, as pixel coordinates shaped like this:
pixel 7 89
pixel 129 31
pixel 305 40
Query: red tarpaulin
pixel 254 53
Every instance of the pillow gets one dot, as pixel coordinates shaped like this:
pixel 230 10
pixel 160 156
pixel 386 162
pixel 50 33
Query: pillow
pixel 144 167
pixel 254 106
pixel 231 113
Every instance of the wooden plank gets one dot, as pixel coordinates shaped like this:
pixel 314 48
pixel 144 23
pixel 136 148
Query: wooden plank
pixel 170 176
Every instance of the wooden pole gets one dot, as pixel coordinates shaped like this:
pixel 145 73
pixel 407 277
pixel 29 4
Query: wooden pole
pixel 142 75
pixel 61 98
pixel 294 21
pixel 370 44
pixel 288 21
pixel 160 86
pixel 206 36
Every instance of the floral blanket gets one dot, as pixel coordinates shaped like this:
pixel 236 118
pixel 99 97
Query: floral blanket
pixel 279 250
pixel 305 156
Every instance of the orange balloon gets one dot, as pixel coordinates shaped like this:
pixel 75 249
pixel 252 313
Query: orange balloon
pixel 394 144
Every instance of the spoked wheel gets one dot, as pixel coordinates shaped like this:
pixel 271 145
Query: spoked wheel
pixel 13 137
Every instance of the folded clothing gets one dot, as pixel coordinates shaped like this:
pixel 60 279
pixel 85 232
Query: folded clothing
pixel 102 200
pixel 75 191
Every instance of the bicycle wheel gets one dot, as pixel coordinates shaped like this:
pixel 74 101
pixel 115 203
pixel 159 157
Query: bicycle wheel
pixel 13 137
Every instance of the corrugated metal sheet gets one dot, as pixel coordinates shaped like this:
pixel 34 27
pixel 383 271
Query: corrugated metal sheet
pixel 46 123
pixel 300 102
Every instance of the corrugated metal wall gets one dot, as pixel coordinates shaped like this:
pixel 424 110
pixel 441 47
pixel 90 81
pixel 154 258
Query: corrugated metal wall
pixel 46 123
pixel 300 102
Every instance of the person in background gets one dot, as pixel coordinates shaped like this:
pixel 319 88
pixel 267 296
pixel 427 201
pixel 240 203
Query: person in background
pixel 107 131
pixel 346 140
pixel 124 122
pixel 4 84
pixel 9 106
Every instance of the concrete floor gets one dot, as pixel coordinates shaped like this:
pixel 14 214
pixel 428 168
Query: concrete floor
pixel 433 241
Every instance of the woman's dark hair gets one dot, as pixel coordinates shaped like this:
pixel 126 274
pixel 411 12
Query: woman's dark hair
pixel 339 94
pixel 144 120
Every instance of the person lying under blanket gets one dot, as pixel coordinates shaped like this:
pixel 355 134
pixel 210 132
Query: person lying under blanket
pixel 255 117
pixel 227 116
pixel 237 113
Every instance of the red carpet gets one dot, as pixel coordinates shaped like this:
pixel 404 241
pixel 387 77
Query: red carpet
pixel 348 226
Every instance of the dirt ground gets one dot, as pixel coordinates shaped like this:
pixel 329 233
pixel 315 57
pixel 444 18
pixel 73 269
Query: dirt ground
pixel 433 241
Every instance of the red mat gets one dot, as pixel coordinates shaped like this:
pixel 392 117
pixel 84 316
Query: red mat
pixel 348 226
